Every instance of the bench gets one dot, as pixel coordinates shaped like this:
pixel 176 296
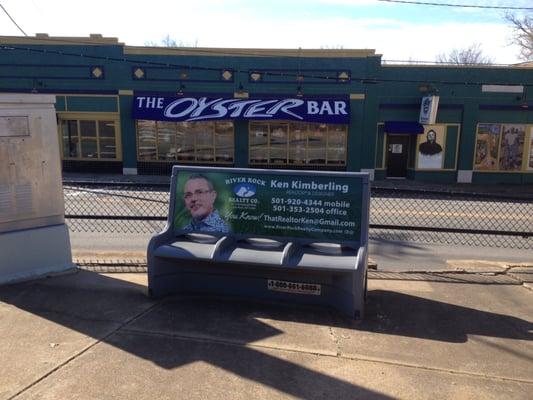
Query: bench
pixel 289 236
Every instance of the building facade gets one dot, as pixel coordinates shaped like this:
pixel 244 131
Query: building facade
pixel 140 110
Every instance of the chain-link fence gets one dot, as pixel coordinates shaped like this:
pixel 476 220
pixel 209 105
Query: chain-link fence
pixel 404 215
pixel 116 207
pixel 451 218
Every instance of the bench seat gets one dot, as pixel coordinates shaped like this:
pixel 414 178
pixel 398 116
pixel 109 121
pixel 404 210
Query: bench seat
pixel 276 268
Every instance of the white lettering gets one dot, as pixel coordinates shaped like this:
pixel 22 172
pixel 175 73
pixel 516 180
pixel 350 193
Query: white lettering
pixel 202 105
pixel 219 107
pixel 204 108
pixel 284 106
pixel 140 101
pixel 340 108
pixel 239 106
pixel 326 108
pixel 279 185
pixel 150 102
pixel 170 108
pixel 312 107
pixel 255 109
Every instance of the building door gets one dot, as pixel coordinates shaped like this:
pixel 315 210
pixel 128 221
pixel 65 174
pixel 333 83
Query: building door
pixel 397 154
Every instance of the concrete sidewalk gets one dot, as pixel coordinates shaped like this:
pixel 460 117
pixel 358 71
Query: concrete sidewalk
pixel 87 335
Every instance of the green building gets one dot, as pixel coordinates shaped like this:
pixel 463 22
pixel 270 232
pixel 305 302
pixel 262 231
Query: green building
pixel 139 110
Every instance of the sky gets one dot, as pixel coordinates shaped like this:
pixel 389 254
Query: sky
pixel 401 32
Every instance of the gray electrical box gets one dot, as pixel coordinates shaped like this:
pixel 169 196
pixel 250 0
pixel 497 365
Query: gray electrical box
pixel 33 236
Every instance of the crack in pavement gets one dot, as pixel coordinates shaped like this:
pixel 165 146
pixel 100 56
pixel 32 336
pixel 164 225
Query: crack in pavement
pixel 375 360
pixel 84 350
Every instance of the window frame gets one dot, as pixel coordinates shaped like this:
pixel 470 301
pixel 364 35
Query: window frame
pixel 195 143
pixel 289 134
pixel 64 117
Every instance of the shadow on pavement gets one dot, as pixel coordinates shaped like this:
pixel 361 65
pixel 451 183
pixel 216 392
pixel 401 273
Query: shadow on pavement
pixel 406 315
pixel 178 331
pixel 103 307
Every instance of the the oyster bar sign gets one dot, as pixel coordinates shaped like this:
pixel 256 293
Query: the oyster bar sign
pixel 186 108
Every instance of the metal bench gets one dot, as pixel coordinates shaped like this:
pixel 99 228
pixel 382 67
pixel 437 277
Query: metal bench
pixel 281 242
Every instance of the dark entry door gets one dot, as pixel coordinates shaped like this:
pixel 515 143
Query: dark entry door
pixel 397 154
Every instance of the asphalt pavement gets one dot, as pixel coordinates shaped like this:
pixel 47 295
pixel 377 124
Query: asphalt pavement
pixel 389 255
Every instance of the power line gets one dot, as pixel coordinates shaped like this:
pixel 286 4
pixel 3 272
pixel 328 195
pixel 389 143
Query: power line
pixel 423 3
pixel 363 79
pixel 12 20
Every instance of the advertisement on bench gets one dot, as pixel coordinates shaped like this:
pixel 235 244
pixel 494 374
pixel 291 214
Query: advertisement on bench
pixel 307 206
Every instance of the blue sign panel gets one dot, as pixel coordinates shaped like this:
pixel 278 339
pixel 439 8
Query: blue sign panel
pixel 187 108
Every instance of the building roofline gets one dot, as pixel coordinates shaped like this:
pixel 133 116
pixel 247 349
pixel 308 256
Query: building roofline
pixel 97 39
pixel 43 38
pixel 457 66
pixel 250 52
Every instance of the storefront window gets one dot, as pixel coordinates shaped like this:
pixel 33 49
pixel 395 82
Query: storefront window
pixel 336 145
pixel 502 147
pixel 88 139
pixel 204 142
pixel 297 143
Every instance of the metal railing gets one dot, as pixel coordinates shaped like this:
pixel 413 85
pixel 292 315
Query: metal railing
pixel 395 214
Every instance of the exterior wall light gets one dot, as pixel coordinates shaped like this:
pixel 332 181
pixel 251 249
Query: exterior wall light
pixel 227 75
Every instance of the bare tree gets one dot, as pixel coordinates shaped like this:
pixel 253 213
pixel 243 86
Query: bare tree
pixel 334 47
pixel 522 34
pixel 471 55
pixel 167 41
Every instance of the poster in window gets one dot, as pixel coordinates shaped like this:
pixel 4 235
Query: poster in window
pixel 487 140
pixel 530 159
pixel 511 147
pixel 431 147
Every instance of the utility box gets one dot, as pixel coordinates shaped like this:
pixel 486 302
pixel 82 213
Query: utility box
pixel 34 239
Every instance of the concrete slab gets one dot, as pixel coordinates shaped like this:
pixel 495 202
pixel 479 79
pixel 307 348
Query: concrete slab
pixel 47 322
pixel 478 266
pixel 159 367
pixel 242 322
pixel 32 347
pixel 485 330
pixel 91 335
pixel 522 273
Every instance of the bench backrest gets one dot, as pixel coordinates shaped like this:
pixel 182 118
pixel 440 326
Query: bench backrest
pixel 297 206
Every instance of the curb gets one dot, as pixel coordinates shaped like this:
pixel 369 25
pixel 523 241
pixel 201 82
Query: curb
pixel 499 273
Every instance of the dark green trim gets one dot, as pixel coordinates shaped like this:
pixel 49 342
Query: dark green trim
pixel 92 104
pixel 380 160
pixel 128 133
pixel 467 138
pixel 433 176
pixel 354 156
pixel 452 133
pixel 379 175
pixel 241 143
pixel 60 103
pixel 502 177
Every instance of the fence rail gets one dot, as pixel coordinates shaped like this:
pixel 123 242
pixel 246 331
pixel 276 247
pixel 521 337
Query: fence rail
pixel 406 215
